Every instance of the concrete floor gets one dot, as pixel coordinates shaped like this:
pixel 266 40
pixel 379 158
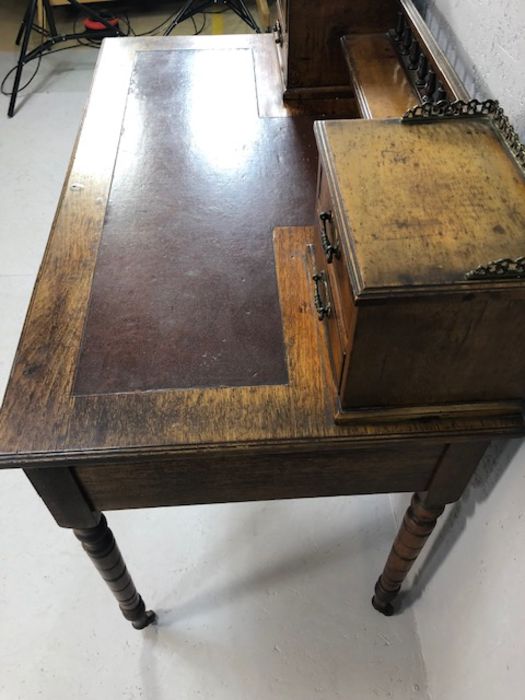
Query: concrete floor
pixel 255 600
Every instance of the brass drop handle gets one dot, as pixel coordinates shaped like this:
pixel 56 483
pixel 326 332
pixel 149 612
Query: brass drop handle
pixel 329 248
pixel 323 307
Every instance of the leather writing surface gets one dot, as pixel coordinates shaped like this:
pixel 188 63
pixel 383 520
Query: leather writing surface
pixel 184 291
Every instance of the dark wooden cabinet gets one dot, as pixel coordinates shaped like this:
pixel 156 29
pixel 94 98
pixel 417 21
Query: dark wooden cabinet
pixel 311 56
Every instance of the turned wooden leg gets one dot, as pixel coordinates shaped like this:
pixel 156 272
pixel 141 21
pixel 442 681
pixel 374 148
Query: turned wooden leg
pixel 103 551
pixel 418 523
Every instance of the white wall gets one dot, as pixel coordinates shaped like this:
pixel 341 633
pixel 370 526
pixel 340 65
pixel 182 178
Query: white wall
pixel 468 588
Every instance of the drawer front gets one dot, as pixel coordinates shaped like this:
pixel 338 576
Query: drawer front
pixel 328 307
pixel 201 479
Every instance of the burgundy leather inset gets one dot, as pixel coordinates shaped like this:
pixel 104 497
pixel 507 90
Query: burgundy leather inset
pixel 184 292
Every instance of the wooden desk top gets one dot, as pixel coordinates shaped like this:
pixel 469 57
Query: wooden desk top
pixel 118 357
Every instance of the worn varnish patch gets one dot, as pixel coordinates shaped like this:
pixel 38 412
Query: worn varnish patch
pixel 424 203
pixel 184 291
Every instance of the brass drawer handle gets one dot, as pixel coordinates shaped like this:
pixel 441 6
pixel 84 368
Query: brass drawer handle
pixel 329 248
pixel 323 308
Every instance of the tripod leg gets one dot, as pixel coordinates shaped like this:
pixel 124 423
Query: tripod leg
pixel 22 27
pixel 240 9
pixel 21 59
pixel 181 15
pixel 50 17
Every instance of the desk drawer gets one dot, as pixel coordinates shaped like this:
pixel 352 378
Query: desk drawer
pixel 254 476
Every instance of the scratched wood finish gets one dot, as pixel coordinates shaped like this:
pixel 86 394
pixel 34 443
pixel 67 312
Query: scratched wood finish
pixel 445 349
pixel 156 426
pixel 312 33
pixel 247 475
pixel 108 429
pixel 186 446
pixel 381 86
pixel 43 424
pixel 422 204
pixel 414 207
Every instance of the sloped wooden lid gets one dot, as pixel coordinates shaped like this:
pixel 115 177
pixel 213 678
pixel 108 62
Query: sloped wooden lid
pixel 423 203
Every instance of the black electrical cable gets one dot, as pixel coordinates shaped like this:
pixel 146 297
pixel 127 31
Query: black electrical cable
pixel 6 78
pixel 204 21
pixel 95 43
pixel 151 32
pixel 26 84
pixel 38 58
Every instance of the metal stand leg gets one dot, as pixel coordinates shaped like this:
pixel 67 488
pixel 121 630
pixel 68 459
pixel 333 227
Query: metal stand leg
pixel 50 18
pixel 193 7
pixel 27 25
pixel 22 27
pixel 100 546
pixel 240 9
pixel 51 37
pixel 181 15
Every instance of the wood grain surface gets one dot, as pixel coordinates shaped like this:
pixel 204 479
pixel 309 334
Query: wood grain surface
pixel 414 208
pixel 314 57
pixel 163 425
pixel 253 476
pixel 424 203
pixel 381 86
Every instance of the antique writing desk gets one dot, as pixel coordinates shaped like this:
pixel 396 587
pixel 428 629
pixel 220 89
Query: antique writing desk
pixel 172 353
